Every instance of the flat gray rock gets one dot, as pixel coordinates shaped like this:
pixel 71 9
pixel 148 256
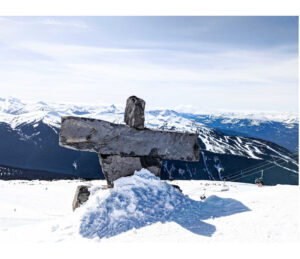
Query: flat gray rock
pixel 81 196
pixel 134 115
pixel 115 139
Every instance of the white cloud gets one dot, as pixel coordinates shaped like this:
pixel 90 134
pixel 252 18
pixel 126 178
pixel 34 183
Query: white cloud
pixel 208 76
pixel 67 51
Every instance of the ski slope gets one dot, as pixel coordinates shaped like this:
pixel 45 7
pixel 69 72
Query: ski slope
pixel 141 208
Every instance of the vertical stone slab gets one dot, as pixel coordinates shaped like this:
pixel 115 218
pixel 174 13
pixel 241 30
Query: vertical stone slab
pixel 115 166
pixel 135 112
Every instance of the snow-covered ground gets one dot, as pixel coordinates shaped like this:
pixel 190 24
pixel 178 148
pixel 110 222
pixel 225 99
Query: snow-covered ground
pixel 142 208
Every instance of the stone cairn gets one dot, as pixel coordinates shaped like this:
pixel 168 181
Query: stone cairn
pixel 123 149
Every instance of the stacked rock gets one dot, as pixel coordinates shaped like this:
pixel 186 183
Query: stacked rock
pixel 123 149
pixel 116 166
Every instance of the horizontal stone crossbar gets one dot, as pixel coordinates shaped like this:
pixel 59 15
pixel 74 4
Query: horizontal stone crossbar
pixel 115 139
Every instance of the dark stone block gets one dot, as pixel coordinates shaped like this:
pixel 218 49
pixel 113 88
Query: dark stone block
pixel 116 139
pixel 115 166
pixel 134 112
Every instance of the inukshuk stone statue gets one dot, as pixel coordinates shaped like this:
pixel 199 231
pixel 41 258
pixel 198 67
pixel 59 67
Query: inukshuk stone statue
pixel 123 149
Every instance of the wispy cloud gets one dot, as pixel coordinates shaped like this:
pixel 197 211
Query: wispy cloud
pixel 64 51
pixel 200 74
pixel 270 66
pixel 66 23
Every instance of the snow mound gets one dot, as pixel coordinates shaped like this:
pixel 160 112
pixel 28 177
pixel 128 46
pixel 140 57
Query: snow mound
pixel 143 199
pixel 134 202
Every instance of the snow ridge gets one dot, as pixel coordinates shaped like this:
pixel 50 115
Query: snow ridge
pixel 15 112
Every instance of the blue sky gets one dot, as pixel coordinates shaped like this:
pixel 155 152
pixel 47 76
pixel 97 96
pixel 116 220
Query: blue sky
pixel 192 63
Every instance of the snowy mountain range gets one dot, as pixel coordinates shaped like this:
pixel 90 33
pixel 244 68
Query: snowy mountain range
pixel 228 142
pixel 280 128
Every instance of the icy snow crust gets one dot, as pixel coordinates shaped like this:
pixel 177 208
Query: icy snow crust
pixel 142 200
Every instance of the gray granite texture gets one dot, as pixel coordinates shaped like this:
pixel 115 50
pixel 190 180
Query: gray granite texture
pixel 134 115
pixel 115 139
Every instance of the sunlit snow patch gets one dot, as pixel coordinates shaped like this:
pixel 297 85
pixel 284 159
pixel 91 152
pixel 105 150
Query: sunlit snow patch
pixel 142 199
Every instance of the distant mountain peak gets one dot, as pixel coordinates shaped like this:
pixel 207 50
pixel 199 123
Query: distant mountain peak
pixel 15 112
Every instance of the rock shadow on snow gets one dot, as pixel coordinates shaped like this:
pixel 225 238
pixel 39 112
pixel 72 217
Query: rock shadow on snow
pixel 143 199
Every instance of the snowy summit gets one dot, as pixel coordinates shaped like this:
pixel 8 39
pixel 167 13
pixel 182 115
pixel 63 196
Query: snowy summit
pixel 141 207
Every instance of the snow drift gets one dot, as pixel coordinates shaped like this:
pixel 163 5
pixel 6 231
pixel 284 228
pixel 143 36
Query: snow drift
pixel 143 199
pixel 41 212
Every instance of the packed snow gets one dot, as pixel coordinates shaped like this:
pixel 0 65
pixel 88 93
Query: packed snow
pixel 142 208
pixel 142 200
